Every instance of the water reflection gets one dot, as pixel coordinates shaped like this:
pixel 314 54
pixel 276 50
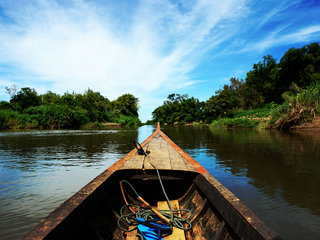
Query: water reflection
pixel 277 174
pixel 41 169
pixel 276 162
pixel 34 150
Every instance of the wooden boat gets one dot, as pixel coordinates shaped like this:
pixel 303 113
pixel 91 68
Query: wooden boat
pixel 92 212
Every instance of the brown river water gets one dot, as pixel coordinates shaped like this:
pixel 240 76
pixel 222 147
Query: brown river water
pixel 276 174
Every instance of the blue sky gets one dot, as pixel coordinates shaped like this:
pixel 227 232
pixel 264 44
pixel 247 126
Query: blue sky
pixel 148 48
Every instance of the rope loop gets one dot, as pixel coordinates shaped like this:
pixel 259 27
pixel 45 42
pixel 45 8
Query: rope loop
pixel 146 214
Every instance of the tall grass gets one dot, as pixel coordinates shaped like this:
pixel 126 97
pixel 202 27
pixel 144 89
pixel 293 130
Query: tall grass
pixel 300 106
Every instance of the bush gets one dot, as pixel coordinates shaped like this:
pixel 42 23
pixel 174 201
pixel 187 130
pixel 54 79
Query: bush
pixel 5 105
pixel 234 123
pixel 259 112
pixel 10 119
pixel 128 121
pixel 92 125
pixel 58 116
pixel 50 110
pixel 300 106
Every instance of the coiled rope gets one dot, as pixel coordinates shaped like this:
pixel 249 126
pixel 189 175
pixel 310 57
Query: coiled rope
pixel 147 214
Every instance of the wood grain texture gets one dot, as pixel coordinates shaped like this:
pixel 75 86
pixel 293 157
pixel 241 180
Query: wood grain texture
pixel 133 234
pixel 164 156
pixel 177 234
pixel 240 218
pixel 135 162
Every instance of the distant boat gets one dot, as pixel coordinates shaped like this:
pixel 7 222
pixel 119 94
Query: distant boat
pixel 94 211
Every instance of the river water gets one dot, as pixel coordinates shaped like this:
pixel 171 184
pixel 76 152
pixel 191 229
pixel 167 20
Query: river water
pixel 276 174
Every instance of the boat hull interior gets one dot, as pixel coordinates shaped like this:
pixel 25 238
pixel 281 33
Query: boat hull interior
pixel 96 217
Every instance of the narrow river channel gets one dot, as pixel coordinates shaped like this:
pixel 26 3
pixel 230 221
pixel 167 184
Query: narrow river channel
pixel 277 174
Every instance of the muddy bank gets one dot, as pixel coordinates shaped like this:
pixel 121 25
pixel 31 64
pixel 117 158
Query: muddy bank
pixel 315 124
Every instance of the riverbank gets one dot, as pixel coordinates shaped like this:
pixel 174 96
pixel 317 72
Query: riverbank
pixel 14 120
pixel 29 110
pixel 97 125
pixel 261 123
pixel 65 119
pixel 315 124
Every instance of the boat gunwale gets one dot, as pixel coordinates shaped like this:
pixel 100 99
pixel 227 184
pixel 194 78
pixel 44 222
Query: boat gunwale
pixel 49 223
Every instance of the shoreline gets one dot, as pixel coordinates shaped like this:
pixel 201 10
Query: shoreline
pixel 315 124
pixel 91 125
pixel 244 123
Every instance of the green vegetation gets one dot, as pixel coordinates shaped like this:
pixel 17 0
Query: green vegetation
pixel 235 123
pixel 300 106
pixel 273 95
pixel 263 112
pixel 179 108
pixel 27 109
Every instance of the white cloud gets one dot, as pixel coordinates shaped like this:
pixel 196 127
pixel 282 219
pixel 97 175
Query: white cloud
pixel 278 39
pixel 81 45
pixel 277 9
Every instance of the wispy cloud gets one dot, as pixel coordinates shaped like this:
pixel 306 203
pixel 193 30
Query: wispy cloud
pixel 76 46
pixel 277 39
pixel 272 24
pixel 275 10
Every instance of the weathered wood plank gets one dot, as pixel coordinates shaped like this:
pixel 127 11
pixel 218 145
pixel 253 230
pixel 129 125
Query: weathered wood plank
pixel 177 234
pixel 220 235
pixel 135 162
pixel 205 226
pixel 178 162
pixel 188 158
pixel 132 235
pixel 159 155
pixel 162 155
pixel 245 224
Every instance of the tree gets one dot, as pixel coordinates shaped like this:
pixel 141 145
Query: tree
pixel 50 98
pixel 261 83
pixel 127 104
pixel 12 91
pixel 97 105
pixel 25 98
pixel 301 66
pixel 179 108
pixel 225 100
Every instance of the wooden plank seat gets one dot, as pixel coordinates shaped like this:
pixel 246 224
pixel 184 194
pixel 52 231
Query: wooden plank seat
pixel 132 235
pixel 177 234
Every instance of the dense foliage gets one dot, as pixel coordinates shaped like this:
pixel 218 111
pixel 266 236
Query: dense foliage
pixel 179 108
pixel 28 109
pixel 267 85
pixel 301 105
pixel 267 81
